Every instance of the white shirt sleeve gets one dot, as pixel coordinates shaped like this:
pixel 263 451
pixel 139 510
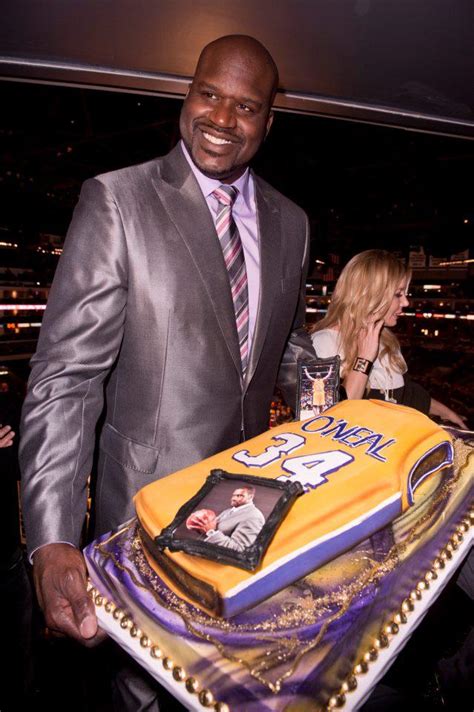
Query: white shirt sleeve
pixel 325 343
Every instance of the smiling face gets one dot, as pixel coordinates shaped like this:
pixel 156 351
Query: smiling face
pixel 399 301
pixel 241 496
pixel 226 114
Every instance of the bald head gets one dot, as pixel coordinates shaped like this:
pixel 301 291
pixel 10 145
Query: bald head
pixel 254 52
pixel 227 112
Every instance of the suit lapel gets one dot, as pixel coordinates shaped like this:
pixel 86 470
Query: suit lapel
pixel 180 194
pixel 269 227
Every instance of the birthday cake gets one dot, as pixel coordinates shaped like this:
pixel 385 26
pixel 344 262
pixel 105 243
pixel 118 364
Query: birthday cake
pixel 309 646
pixel 359 465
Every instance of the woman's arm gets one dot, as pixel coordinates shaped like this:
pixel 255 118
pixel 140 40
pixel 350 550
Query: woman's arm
pixel 368 342
pixel 445 413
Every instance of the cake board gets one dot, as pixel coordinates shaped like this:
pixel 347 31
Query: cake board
pixel 351 652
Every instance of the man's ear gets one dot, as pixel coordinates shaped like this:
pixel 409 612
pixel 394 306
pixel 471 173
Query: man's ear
pixel 269 123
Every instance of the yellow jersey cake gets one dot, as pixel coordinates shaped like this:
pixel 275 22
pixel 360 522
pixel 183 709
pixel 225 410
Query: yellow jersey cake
pixel 357 466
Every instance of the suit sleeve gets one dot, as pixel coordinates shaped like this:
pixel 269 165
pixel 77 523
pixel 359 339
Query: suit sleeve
pixel 243 535
pixel 299 346
pixel 79 341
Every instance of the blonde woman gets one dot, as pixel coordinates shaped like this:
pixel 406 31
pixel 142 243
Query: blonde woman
pixel 369 296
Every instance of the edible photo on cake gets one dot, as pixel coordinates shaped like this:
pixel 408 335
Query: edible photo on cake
pixel 318 387
pixel 231 519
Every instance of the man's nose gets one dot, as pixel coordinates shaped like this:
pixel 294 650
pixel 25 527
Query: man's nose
pixel 223 115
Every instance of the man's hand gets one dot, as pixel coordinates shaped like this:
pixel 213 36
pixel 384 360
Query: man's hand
pixel 203 520
pixel 59 573
pixel 6 436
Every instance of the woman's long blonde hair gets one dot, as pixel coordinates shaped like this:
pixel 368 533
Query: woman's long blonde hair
pixel 366 285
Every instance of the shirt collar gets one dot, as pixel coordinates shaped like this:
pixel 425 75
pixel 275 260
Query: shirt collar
pixel 208 185
pixel 242 506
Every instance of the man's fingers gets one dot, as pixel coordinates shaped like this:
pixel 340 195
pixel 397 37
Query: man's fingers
pixel 75 618
pixel 60 579
pixel 81 605
pixel 98 638
pixel 84 616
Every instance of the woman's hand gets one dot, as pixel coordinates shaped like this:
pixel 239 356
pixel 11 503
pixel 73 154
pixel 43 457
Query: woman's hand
pixel 6 436
pixel 368 339
pixel 368 343
pixel 445 413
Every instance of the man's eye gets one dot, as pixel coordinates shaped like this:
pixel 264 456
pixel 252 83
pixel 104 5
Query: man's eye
pixel 209 94
pixel 245 108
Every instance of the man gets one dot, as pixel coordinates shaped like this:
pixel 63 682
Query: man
pixel 141 308
pixel 235 528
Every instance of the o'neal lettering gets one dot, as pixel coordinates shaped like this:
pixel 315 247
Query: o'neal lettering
pixel 354 436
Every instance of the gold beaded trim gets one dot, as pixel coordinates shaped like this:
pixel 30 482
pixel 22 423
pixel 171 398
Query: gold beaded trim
pixel 205 697
pixel 392 627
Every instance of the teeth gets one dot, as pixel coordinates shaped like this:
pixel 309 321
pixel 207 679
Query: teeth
pixel 217 141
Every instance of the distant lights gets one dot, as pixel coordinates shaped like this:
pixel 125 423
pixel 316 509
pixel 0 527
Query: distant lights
pixel 53 251
pixel 22 307
pixel 456 263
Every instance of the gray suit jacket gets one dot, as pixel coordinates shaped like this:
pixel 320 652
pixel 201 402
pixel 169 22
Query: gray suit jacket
pixel 238 528
pixel 140 312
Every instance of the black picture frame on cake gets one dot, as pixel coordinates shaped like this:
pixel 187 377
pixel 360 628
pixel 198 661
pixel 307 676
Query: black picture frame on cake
pixel 231 519
pixel 318 386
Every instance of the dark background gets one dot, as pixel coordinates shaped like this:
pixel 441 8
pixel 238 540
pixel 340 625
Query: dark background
pixel 362 185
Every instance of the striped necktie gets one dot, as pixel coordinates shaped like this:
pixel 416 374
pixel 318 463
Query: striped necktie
pixel 232 249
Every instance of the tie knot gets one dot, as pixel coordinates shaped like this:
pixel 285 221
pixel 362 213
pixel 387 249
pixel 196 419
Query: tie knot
pixel 225 194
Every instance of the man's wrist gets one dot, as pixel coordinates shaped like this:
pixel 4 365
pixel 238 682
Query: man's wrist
pixel 43 546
